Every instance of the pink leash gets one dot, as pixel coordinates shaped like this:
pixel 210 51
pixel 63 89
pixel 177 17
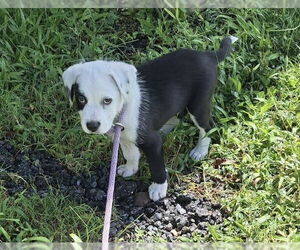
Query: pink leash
pixel 112 176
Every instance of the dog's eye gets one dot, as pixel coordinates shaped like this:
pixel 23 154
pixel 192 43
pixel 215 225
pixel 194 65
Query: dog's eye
pixel 81 99
pixel 107 101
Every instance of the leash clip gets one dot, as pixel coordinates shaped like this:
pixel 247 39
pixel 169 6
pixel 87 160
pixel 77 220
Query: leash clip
pixel 120 125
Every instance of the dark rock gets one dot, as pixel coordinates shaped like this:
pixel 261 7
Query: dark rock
pixel 125 189
pixel 135 211
pixel 100 195
pixel 183 200
pixel 94 184
pixel 141 199
pixel 130 219
pixel 149 211
pixel 113 231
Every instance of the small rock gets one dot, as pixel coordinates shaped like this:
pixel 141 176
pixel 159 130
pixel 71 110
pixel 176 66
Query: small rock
pixel 211 222
pixel 100 195
pixel 166 202
pixel 166 219
pixel 94 184
pixel 169 236
pixel 193 227
pixel 135 211
pixel 182 222
pixel 185 230
pixel 180 209
pixel 172 209
pixel 113 231
pixel 172 215
pixel 40 182
pixel 150 233
pixel 202 225
pixel 149 211
pixel 169 227
pixel 157 216
pixel 174 232
pixel 130 219
pixel 202 212
pixel 78 182
pixel 157 223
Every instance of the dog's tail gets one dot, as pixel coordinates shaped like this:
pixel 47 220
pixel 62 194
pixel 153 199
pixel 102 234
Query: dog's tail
pixel 225 47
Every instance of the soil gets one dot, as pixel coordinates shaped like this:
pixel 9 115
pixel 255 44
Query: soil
pixel 178 215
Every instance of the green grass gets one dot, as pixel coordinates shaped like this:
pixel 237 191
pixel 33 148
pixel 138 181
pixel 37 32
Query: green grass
pixel 256 111
pixel 52 218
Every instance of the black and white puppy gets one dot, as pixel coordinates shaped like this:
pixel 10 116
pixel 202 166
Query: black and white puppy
pixel 155 93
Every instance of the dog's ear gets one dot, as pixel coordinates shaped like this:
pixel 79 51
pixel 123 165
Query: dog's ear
pixel 69 78
pixel 123 75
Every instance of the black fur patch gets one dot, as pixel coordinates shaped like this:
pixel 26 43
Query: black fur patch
pixel 75 93
pixel 172 84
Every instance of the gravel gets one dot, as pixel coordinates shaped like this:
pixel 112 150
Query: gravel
pixel 178 215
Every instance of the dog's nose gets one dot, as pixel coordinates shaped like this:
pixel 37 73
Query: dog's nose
pixel 93 125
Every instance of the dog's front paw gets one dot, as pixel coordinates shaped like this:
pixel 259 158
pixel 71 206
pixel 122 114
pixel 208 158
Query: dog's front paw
pixel 158 191
pixel 126 171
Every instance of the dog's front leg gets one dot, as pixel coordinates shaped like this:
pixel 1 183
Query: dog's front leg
pixel 132 155
pixel 152 147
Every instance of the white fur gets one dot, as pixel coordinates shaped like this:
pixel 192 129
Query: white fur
pixel 106 79
pixel 201 149
pixel 132 155
pixel 116 80
pixel 233 39
pixel 158 191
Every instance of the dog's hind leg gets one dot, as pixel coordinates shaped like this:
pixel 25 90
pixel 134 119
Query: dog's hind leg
pixel 132 155
pixel 201 149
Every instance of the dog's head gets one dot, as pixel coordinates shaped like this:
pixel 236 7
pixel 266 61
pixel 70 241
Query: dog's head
pixel 99 89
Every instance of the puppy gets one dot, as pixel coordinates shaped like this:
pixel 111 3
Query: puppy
pixel 154 93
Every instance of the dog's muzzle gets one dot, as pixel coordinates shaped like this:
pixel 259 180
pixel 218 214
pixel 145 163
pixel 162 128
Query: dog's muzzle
pixel 93 126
